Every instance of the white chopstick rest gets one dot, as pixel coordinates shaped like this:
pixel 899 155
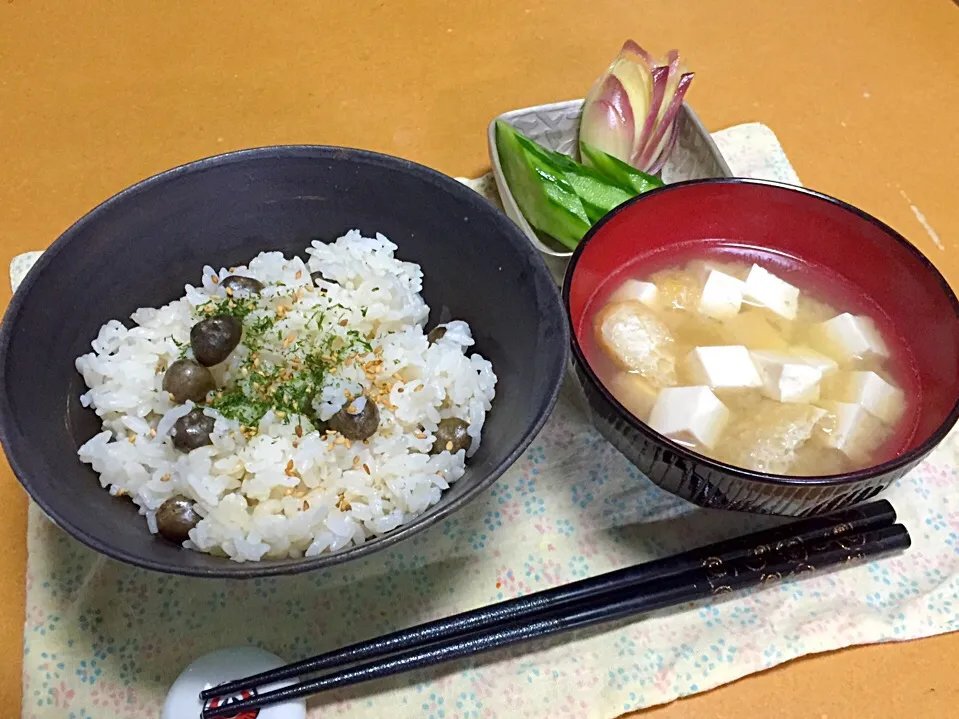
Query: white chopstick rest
pixel 183 701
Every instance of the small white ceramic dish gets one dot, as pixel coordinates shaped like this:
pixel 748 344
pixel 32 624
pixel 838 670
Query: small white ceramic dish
pixel 556 126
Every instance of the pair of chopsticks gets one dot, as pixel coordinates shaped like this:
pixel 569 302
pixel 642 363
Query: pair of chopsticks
pixel 820 543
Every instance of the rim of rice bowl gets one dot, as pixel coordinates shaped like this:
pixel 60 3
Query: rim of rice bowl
pixel 278 488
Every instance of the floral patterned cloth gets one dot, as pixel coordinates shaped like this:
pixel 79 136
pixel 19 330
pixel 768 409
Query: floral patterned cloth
pixel 106 640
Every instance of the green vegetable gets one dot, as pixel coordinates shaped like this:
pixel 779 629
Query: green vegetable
pixel 544 195
pixel 618 171
pixel 560 196
pixel 596 192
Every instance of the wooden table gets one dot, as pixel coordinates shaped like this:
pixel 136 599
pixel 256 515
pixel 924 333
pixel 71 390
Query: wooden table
pixel 863 96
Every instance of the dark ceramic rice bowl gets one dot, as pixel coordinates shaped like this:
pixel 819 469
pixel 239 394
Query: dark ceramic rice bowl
pixel 224 210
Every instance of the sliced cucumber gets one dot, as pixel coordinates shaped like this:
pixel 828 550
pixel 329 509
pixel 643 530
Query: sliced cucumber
pixel 618 171
pixel 544 195
pixel 598 194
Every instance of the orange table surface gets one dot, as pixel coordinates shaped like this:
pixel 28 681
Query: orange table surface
pixel 862 94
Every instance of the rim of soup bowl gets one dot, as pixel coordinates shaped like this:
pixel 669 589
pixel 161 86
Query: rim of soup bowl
pixel 912 455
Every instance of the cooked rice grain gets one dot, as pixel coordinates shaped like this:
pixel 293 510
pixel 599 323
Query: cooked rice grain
pixel 282 491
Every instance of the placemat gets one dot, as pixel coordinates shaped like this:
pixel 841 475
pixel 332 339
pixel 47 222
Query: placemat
pixel 106 640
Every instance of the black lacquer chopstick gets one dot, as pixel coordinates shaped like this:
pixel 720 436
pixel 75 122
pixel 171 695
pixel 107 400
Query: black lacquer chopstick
pixel 707 581
pixel 752 549
pixel 873 514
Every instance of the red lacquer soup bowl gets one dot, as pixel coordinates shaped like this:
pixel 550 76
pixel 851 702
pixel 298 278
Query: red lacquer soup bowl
pixel 821 244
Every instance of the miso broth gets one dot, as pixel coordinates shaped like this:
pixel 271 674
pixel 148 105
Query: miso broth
pixel 733 361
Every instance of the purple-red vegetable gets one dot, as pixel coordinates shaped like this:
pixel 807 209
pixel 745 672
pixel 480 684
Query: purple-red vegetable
pixel 631 110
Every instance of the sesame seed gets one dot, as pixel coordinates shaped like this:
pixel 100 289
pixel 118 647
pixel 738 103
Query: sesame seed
pixel 347 394
pixel 366 468
pixel 165 478
pixel 289 340
pixel 348 443
pixel 229 291
pixel 280 414
pixel 132 439
pixel 299 274
pixel 449 446
pixel 343 322
pixel 420 435
pixel 214 279
pixel 352 409
pixel 299 430
pixel 400 390
pixel 153 432
pixel 339 440
pixel 356 461
pixel 418 388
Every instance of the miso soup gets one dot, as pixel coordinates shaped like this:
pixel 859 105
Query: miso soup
pixel 733 361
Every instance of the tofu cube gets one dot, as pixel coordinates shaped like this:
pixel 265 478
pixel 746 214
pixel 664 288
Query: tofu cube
pixel 645 293
pixel 826 365
pixel 785 378
pixel 847 337
pixel 764 289
pixel 752 329
pixel 870 391
pixel 722 295
pixel 689 415
pixel 701 269
pixel 724 367
pixel 634 393
pixel 852 430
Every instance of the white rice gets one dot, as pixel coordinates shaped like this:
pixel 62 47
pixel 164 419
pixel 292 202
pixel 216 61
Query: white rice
pixel 252 505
